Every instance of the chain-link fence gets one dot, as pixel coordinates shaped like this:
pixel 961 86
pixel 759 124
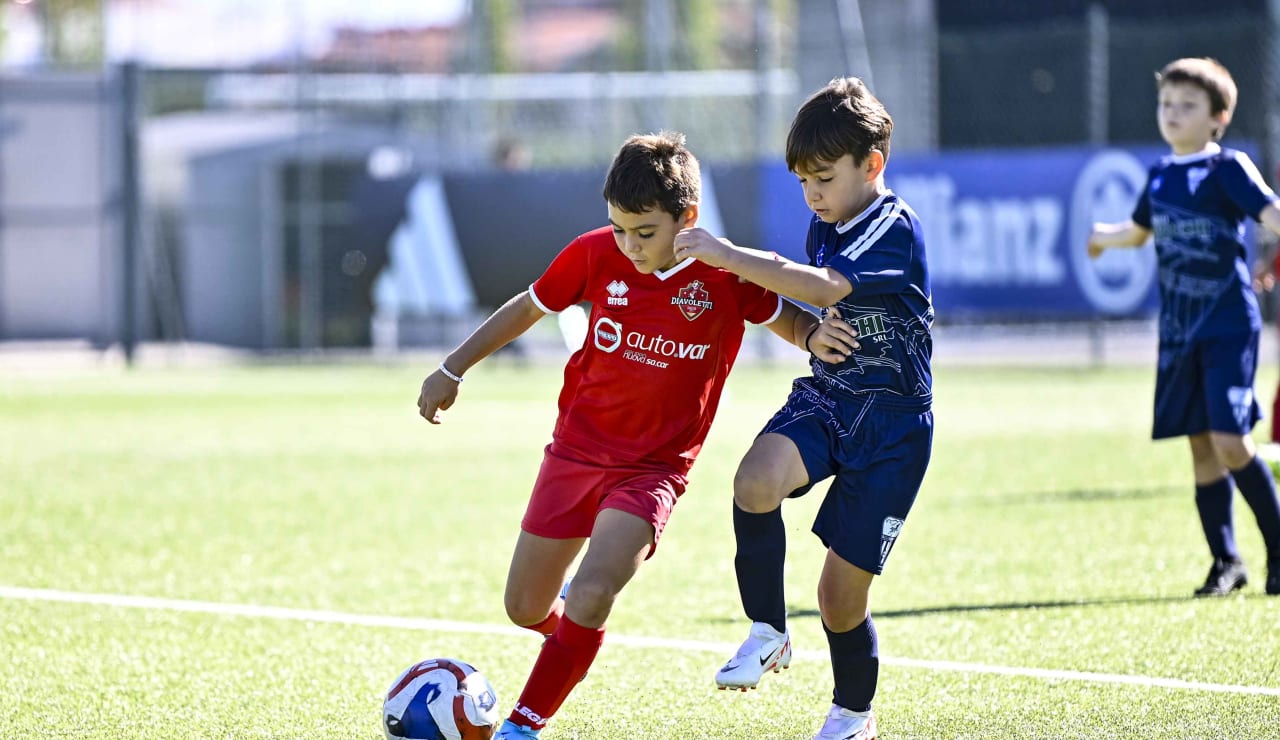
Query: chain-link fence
pixel 1075 81
pixel 253 229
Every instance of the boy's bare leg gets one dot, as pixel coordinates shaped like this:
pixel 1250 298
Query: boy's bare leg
pixel 770 470
pixel 844 593
pixel 619 544
pixel 539 566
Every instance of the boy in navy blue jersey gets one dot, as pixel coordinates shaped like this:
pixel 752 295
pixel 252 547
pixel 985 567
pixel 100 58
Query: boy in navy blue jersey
pixel 1195 202
pixel 863 419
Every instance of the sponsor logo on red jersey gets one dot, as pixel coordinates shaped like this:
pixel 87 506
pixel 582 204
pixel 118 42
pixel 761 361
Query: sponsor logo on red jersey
pixel 609 335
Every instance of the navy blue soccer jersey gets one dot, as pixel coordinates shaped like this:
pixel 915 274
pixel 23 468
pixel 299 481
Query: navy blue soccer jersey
pixel 1195 205
pixel 881 252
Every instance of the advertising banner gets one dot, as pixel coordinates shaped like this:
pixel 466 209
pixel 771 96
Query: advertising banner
pixel 1006 229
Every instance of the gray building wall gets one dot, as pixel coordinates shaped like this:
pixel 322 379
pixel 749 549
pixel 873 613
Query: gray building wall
pixel 240 225
pixel 59 218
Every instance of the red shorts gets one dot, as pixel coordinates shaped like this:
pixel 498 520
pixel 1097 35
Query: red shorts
pixel 569 493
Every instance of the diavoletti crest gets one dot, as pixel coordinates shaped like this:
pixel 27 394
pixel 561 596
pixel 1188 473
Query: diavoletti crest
pixel 692 300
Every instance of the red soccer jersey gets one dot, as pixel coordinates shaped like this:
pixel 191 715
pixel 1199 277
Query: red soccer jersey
pixel 646 383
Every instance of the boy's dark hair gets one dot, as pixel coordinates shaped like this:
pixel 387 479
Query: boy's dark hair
pixel 654 170
pixel 1208 75
pixel 841 118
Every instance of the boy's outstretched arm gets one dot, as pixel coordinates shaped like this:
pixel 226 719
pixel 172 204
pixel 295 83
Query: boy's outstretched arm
pixel 1106 236
pixel 831 340
pixel 439 391
pixel 817 286
pixel 1270 217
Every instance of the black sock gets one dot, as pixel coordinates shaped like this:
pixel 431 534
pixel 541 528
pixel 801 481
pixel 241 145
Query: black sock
pixel 1214 502
pixel 1258 487
pixel 762 549
pixel 855 661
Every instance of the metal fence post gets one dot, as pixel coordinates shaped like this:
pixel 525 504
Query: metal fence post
pixel 1098 56
pixel 130 203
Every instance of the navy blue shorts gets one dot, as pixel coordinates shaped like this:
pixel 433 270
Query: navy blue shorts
pixel 877 446
pixel 1207 385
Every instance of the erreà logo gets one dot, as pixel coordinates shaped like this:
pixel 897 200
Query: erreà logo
pixel 617 293
pixel 692 300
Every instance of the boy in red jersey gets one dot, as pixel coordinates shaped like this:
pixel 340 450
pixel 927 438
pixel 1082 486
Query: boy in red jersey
pixel 636 405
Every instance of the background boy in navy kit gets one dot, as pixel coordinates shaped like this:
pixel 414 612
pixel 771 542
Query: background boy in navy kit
pixel 864 418
pixel 1195 202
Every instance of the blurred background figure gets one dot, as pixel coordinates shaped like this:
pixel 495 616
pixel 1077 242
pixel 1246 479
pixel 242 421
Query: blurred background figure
pixel 511 155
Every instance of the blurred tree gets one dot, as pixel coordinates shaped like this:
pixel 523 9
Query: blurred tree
pixel 783 14
pixel 629 44
pixel 698 27
pixel 503 17
pixel 490 34
pixel 693 32
pixel 73 32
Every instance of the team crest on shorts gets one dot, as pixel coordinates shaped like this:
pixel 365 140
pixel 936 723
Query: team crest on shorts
pixel 888 535
pixel 1241 399
pixel 692 300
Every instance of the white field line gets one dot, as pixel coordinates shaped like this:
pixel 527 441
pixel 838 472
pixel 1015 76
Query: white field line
pixel 720 648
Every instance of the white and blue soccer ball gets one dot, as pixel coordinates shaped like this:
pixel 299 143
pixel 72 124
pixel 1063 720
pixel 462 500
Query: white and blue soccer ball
pixel 440 699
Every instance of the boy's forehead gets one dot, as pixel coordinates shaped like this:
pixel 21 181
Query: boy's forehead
pixel 647 216
pixel 817 166
pixel 1182 88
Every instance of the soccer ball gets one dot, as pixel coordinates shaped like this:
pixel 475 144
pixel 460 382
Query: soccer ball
pixel 440 699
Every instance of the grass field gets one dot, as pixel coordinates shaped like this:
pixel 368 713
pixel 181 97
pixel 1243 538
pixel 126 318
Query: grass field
pixel 1040 587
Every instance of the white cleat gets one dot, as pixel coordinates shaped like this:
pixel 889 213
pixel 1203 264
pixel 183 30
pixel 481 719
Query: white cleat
pixel 766 649
pixel 846 724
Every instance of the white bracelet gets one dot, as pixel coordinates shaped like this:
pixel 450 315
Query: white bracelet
pixel 449 375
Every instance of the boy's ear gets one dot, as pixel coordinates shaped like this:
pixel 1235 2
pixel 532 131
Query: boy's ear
pixel 1223 118
pixel 690 217
pixel 874 166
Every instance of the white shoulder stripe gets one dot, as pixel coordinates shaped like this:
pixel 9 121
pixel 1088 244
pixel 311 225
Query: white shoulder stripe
pixel 777 311
pixel 1251 171
pixel 876 229
pixel 541 306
